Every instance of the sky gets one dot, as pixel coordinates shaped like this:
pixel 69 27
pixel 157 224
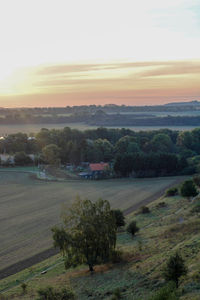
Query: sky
pixel 75 52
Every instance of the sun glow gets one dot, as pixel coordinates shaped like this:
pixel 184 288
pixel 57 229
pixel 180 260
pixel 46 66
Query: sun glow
pixel 79 34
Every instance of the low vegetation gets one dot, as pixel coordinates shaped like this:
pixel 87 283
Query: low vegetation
pixel 160 262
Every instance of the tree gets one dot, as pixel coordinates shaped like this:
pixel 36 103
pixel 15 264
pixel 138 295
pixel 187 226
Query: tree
pixel 132 228
pixel 188 189
pixel 119 217
pixel 175 268
pixel 88 234
pixel 126 144
pixel 161 142
pixel 124 164
pixel 22 159
pixel 51 154
pixel 103 149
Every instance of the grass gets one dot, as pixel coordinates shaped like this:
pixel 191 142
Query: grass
pixel 29 208
pixel 162 232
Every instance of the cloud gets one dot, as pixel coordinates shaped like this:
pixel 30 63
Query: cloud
pixel 131 75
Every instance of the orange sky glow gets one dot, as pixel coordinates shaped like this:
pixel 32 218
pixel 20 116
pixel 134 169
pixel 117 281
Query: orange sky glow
pixel 59 53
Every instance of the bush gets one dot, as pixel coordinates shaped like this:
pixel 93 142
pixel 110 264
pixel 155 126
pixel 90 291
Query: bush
pixel 171 192
pixel 24 287
pixel 161 204
pixel 188 189
pixel 50 293
pixel 196 208
pixel 116 294
pixel 196 180
pixel 166 293
pixel 132 228
pixel 119 217
pixel 145 210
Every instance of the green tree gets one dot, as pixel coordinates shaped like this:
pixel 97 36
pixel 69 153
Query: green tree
pixel 126 144
pixel 103 149
pixel 119 217
pixel 161 142
pixel 185 139
pixel 88 235
pixel 132 228
pixel 51 154
pixel 188 189
pixel 22 159
pixel 124 164
pixel 175 268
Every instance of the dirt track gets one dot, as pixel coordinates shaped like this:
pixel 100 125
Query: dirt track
pixel 21 265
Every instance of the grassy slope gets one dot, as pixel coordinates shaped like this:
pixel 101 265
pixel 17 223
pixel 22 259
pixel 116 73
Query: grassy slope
pixel 29 208
pixel 162 232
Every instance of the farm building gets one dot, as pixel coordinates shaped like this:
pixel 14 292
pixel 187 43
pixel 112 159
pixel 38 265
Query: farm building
pixel 96 171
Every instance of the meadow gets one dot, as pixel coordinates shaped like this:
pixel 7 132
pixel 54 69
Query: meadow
pixel 29 207
pixel 34 128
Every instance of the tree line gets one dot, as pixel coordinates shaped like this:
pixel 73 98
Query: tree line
pixel 145 153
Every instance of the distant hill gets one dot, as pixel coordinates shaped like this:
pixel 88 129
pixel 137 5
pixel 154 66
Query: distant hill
pixel 187 103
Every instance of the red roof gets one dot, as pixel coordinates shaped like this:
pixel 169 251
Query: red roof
pixel 98 167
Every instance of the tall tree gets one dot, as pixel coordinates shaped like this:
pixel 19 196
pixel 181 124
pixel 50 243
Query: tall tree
pixel 51 154
pixel 88 234
pixel 175 268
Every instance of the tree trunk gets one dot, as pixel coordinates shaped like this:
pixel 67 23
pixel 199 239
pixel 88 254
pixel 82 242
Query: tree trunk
pixel 91 268
pixel 177 283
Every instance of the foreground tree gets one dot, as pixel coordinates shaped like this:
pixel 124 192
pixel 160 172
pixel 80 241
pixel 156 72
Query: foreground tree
pixel 175 268
pixel 88 235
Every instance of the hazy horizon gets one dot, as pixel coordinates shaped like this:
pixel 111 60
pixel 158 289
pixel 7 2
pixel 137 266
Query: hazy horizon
pixel 60 53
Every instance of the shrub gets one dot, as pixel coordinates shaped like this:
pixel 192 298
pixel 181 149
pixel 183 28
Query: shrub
pixel 196 180
pixel 49 293
pixel 119 217
pixel 132 228
pixel 196 208
pixel 161 204
pixel 24 287
pixel 188 189
pixel 171 192
pixel 116 294
pixel 145 210
pixel 166 293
